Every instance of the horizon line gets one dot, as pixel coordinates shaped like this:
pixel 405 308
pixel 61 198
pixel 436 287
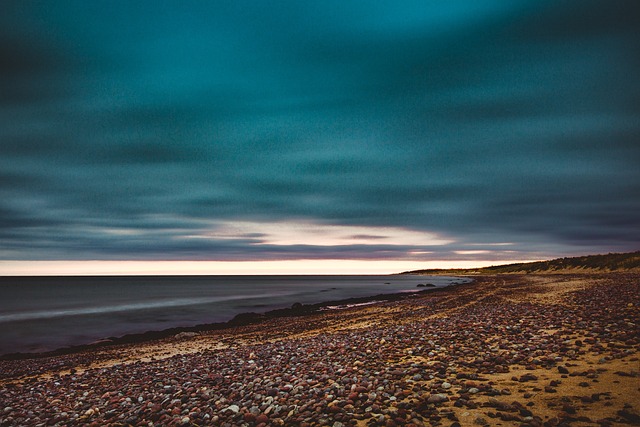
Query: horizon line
pixel 10 268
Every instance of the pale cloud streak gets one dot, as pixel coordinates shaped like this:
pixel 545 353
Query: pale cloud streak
pixel 286 233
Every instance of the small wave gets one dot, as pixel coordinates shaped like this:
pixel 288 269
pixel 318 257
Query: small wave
pixel 345 306
pixel 180 302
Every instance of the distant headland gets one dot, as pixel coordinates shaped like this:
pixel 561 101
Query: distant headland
pixel 629 262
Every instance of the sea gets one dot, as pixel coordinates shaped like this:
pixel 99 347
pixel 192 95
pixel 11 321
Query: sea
pixel 39 314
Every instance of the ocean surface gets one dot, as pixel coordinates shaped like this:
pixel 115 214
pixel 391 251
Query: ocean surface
pixel 47 313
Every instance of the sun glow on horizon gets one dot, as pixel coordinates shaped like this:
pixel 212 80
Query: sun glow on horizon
pixel 283 267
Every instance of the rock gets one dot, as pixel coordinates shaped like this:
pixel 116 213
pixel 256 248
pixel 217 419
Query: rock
pixel 503 406
pixel 182 335
pixel 334 409
pixel 247 318
pixel 233 408
pixel 527 377
pixel 437 398
pixel 629 416
pixel 480 421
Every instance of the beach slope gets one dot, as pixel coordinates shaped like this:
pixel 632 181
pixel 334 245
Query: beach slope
pixel 525 350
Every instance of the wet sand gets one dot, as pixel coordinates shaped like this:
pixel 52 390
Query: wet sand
pixel 504 350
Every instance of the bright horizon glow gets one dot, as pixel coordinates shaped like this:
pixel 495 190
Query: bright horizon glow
pixel 160 268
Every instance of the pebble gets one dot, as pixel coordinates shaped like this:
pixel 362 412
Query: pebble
pixel 233 408
pixel 480 421
pixel 437 398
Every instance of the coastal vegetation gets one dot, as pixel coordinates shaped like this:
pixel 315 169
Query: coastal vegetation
pixel 583 264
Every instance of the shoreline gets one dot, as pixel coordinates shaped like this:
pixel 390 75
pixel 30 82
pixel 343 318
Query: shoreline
pixel 527 351
pixel 241 319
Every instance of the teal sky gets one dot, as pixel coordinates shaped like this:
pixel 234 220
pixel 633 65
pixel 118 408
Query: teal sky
pixel 285 130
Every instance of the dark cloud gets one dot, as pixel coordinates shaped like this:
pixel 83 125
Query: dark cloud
pixel 132 131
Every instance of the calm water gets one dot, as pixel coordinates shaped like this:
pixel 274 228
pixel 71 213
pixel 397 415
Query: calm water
pixel 46 313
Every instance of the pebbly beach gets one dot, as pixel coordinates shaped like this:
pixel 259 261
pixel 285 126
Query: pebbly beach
pixel 521 350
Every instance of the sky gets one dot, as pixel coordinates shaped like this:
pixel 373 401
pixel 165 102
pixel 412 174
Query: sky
pixel 322 136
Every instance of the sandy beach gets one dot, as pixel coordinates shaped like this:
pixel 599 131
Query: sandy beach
pixel 522 350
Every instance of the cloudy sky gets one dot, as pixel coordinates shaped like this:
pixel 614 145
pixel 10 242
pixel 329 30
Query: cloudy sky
pixel 415 132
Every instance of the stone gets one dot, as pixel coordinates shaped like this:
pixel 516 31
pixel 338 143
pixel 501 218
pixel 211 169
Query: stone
pixel 437 398
pixel 480 421
pixel 233 408
pixel 182 335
